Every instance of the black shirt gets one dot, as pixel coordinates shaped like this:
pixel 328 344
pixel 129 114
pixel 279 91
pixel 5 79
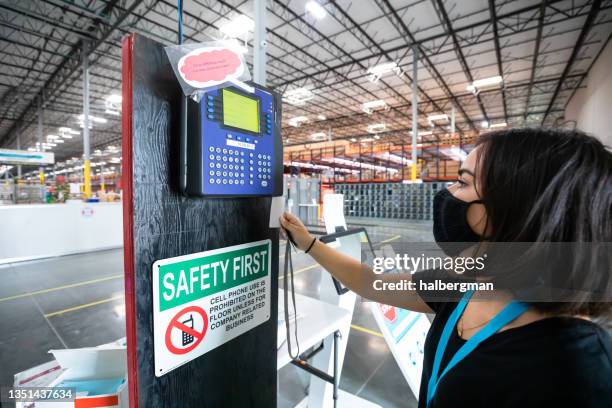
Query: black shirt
pixel 557 361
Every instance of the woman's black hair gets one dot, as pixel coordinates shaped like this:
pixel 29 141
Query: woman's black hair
pixel 552 186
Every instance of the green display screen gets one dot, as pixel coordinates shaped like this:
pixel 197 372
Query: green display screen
pixel 241 112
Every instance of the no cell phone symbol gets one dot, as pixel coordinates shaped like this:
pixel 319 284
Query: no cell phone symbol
pixel 186 330
pixel 187 337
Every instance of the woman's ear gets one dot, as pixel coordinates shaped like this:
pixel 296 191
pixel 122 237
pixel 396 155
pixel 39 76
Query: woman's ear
pixel 477 219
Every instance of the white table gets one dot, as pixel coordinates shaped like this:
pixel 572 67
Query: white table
pixel 316 321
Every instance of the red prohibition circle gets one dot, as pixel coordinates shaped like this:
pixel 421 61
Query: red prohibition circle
pixel 175 324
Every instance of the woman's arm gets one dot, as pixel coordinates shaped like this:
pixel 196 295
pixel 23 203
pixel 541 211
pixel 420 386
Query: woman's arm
pixel 354 275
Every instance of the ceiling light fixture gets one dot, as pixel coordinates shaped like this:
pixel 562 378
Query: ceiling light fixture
pixel 377 71
pixel 454 153
pixel 377 128
pixel 114 99
pixel 297 121
pixel 437 118
pixel 298 96
pixel 316 10
pixel 477 85
pixel 484 124
pixel 371 106
pixel 321 117
pixel 498 125
pixel 318 136
pixel 237 27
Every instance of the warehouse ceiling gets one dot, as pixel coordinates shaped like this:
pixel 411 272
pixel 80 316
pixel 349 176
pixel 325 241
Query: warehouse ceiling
pixel 361 51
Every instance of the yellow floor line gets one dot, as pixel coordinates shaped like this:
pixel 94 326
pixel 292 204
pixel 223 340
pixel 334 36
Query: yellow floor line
pixel 390 239
pixel 363 329
pixel 302 270
pixel 72 285
pixel 86 305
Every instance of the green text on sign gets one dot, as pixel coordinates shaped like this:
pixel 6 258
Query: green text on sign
pixel 185 281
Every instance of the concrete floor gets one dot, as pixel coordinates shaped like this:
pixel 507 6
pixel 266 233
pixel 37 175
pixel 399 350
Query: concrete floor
pixel 77 301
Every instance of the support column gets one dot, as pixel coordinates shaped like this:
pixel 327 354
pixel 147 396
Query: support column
pixel 102 186
pixel 415 101
pixel 453 121
pixel 39 131
pixel 259 43
pixel 19 130
pixel 86 145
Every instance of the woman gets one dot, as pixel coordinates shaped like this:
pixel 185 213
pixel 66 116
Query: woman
pixel 523 185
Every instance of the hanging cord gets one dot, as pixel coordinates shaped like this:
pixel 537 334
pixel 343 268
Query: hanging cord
pixel 289 271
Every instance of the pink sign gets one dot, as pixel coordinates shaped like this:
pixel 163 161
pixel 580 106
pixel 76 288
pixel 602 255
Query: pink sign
pixel 210 66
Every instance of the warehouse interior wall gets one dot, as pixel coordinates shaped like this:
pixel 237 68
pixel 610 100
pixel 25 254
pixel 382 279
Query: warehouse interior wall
pixel 591 104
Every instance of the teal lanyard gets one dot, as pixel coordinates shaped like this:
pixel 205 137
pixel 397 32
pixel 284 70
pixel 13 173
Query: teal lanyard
pixel 508 314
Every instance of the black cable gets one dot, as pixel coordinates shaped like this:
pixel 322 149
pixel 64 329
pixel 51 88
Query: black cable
pixel 289 270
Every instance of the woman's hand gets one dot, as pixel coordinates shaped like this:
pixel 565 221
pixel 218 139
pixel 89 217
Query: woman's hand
pixel 298 231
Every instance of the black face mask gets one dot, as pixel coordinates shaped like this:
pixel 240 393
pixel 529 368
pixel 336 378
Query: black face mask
pixel 450 227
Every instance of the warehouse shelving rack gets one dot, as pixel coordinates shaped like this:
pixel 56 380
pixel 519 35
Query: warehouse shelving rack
pixel 389 200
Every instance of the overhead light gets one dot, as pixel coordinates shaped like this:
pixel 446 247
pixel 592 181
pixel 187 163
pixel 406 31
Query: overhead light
pixel 484 124
pixel 59 141
pixel 316 10
pixel 437 118
pixel 477 85
pixel 306 165
pixel 298 96
pixel 353 139
pixel 352 163
pixel 237 27
pixel 425 133
pixel 498 125
pixel 377 127
pixel 318 136
pixel 112 112
pixel 67 132
pixel 367 139
pixel 114 98
pixel 92 119
pixel 31 149
pixel 454 153
pixel 371 106
pixel 52 137
pixel 377 71
pixel 297 121
pixel 321 117
pixel 395 158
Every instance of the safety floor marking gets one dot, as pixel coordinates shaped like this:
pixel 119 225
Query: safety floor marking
pixel 84 306
pixel 368 331
pixel 72 285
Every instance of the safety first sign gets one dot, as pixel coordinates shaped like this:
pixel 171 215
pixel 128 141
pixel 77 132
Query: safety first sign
pixel 203 300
